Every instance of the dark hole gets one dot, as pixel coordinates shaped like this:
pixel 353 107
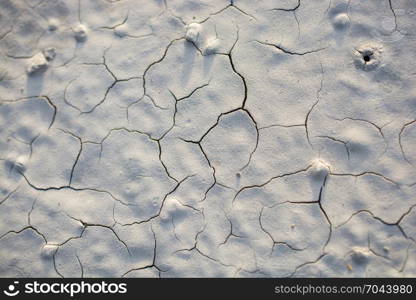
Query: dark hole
pixel 367 58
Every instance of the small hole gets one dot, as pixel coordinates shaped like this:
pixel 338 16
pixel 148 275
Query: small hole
pixel 367 58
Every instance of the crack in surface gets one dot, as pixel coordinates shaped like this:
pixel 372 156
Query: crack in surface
pixel 269 180
pixel 154 98
pixel 288 9
pixel 318 99
pixel 290 52
pixel 44 97
pixel 400 140
pixel 271 237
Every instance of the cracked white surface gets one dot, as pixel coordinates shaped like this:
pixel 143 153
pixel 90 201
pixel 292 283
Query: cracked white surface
pixel 184 138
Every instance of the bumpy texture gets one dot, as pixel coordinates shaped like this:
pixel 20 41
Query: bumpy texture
pixel 185 138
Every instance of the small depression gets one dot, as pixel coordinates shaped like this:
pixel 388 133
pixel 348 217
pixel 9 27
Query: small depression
pixel 367 57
